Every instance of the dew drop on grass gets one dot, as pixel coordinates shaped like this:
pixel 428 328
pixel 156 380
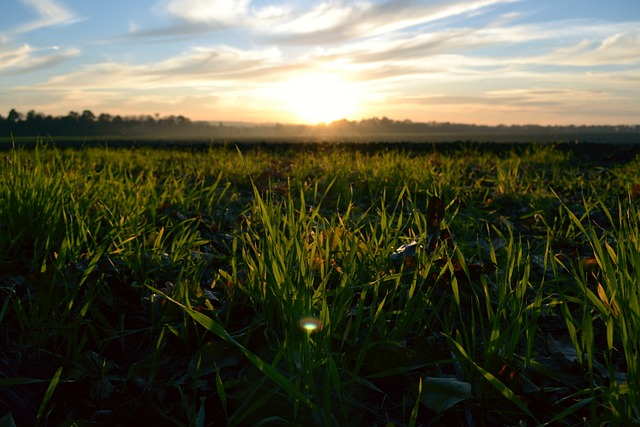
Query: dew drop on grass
pixel 310 324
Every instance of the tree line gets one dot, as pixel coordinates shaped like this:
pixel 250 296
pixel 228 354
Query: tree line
pixel 87 123
pixel 408 126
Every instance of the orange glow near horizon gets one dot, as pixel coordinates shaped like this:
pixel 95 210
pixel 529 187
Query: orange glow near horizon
pixel 318 98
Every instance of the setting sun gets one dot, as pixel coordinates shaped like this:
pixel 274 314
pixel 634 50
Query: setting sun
pixel 318 98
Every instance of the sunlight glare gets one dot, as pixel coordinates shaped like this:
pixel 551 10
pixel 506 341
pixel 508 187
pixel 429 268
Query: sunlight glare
pixel 318 98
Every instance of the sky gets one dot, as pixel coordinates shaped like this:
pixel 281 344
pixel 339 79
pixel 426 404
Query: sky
pixel 489 62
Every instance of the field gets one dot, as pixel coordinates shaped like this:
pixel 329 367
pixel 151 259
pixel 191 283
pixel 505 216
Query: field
pixel 328 285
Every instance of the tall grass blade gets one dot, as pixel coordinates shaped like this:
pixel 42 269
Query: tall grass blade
pixel 47 396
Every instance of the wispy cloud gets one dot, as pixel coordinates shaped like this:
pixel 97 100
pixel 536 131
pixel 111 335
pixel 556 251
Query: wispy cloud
pixel 217 66
pixel 620 48
pixel 490 53
pixel 50 12
pixel 25 58
pixel 192 17
pixel 331 21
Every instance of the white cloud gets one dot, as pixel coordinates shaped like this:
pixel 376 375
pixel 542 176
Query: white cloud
pixel 228 12
pixel 322 17
pixel 270 12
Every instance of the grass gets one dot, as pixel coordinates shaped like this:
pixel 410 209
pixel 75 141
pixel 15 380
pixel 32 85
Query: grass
pixel 194 287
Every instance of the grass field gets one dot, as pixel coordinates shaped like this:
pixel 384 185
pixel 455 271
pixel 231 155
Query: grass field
pixel 320 285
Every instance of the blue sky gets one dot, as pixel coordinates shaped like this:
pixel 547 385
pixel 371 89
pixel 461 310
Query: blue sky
pixel 473 61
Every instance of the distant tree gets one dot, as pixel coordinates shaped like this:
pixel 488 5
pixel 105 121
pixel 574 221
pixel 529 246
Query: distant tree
pixel 73 115
pixel 149 121
pixel 104 118
pixel 14 116
pixel 87 117
pixel 386 122
pixel 182 121
pixel 117 125
pixel 34 118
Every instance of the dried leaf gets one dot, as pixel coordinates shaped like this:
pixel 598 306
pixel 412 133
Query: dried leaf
pixel 589 263
pixel 612 253
pixel 611 305
pixel 435 215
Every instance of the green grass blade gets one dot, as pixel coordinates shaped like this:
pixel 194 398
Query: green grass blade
pixel 495 382
pixel 48 394
pixel 268 370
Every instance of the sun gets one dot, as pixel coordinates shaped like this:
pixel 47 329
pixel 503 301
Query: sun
pixel 318 98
